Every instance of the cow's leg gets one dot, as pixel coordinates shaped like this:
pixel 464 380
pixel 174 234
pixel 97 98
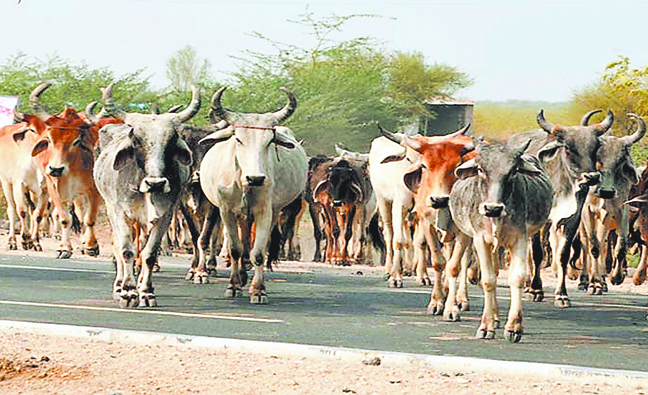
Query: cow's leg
pixel 421 242
pixel 199 272
pixel 487 326
pixel 618 271
pixel 451 308
pixel 513 329
pixel 149 257
pixel 125 286
pixel 11 214
pixel 235 248
pixel 263 221
pixel 640 275
pixel 348 232
pixel 537 253
pixel 562 251
pixel 314 210
pixel 598 249
pixel 19 197
pixel 385 210
pixel 90 246
pixel 462 288
pixel 400 244
pixel 65 219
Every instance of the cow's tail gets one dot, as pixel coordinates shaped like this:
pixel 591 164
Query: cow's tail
pixel 275 246
pixel 376 235
pixel 76 224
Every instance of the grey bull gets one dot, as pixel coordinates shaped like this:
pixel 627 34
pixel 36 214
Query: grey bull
pixel 254 169
pixel 141 171
pixel 501 199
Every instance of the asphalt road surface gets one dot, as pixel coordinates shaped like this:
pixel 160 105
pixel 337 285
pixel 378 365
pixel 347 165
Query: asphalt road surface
pixel 329 307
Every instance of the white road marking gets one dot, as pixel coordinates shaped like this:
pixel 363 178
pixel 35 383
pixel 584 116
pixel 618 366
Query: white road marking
pixel 56 269
pixel 137 311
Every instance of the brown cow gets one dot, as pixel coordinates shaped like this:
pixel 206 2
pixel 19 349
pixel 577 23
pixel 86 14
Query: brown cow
pixel 65 155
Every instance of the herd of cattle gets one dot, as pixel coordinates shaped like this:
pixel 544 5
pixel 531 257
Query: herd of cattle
pixel 565 196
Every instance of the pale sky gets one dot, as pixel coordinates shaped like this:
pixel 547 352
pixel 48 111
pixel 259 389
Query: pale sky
pixel 512 49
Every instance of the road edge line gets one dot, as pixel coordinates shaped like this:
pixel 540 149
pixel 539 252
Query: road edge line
pixel 441 363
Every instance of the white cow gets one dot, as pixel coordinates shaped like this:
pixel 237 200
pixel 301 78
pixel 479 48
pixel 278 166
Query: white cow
pixel 388 163
pixel 254 170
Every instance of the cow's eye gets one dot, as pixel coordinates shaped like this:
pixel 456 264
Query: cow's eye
pixel 76 142
pixel 238 141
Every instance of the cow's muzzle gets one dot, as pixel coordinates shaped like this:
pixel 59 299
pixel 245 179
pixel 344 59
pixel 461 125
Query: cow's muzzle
pixel 439 201
pixel 337 203
pixel 605 193
pixel 55 171
pixel 155 184
pixel 492 210
pixel 255 181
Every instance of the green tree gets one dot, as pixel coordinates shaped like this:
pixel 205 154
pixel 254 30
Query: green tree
pixel 185 68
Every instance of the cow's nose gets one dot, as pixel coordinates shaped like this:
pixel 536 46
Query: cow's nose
pixel 337 203
pixel 55 171
pixel 606 193
pixel 439 201
pixel 155 184
pixel 255 181
pixel 493 210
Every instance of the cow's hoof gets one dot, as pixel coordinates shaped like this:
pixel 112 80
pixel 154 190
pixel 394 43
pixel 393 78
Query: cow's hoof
pixel 190 274
pixel 424 282
pixel 464 305
pixel 604 286
pixel 232 292
pixel 38 247
pixel 639 278
pixel 11 247
pixel 64 254
pixel 538 295
pixel 147 299
pixel 485 334
pixel 92 251
pixel 452 314
pixel 155 268
pixel 562 301
pixel 128 299
pixel 595 289
pixel 435 308
pixel 259 298
pixel 385 276
pixel 201 278
pixel 27 245
pixel 513 336
pixel 497 324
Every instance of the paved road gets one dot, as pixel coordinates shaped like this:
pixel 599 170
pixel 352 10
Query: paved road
pixel 327 307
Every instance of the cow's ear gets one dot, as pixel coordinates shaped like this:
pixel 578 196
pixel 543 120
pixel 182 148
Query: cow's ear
pixel 630 171
pixel 528 165
pixel 218 136
pixel 412 179
pixel 183 153
pixel 40 147
pixel 467 170
pixel 19 136
pixel 393 158
pixel 123 157
pixel 549 151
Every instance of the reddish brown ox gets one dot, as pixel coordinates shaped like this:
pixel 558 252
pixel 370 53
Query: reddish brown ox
pixel 20 177
pixel 431 181
pixel 66 156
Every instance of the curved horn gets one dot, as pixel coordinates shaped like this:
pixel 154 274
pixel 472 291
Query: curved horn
pixel 586 117
pixel 18 116
pixel 89 111
pixel 463 131
pixel 602 127
pixel 639 133
pixel 193 107
pixel 520 150
pixel 546 126
pixel 175 109
pixel 34 100
pixel 392 136
pixel 217 110
pixel 109 103
pixel 288 109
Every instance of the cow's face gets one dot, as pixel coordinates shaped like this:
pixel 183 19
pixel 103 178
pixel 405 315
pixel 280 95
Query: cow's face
pixel 433 178
pixel 155 148
pixel 344 184
pixel 495 168
pixel 617 170
pixel 28 130
pixel 67 141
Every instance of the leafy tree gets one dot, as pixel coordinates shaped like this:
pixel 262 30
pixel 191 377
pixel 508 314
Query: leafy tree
pixel 72 85
pixel 184 69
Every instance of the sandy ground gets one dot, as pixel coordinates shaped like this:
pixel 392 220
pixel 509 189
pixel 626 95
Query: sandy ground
pixel 38 364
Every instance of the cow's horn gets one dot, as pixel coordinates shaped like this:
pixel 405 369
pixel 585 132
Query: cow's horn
pixel 18 116
pixel 546 126
pixel 639 133
pixel 89 111
pixel 392 136
pixel 288 109
pixel 586 117
pixel 462 131
pixel 217 110
pixel 194 105
pixel 109 103
pixel 34 100
pixel 604 126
